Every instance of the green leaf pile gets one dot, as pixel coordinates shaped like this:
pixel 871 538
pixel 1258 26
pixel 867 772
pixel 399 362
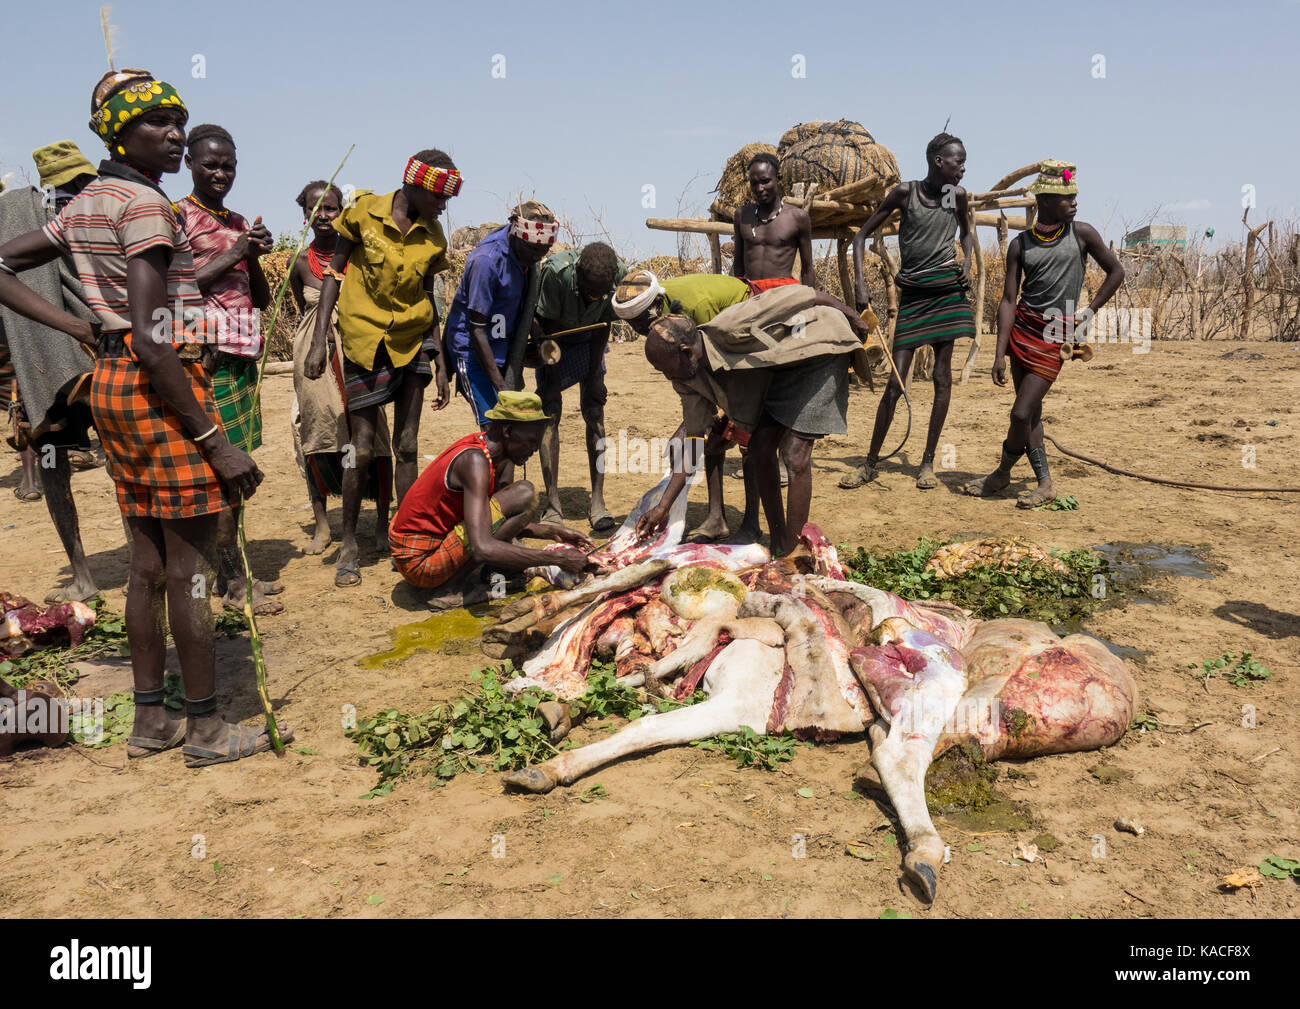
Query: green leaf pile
pixel 1033 591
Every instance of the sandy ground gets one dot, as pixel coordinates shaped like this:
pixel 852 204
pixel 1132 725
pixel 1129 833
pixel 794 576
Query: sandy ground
pixel 683 832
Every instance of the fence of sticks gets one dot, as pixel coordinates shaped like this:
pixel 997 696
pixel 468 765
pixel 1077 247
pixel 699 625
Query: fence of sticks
pixel 839 173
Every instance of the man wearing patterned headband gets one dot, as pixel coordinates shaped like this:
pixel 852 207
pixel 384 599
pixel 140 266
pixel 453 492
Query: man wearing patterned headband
pixel 392 248
pixel 486 311
pixel 1038 320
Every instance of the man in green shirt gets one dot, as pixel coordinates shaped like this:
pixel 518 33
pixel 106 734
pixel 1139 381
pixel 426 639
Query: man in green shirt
pixel 641 300
pixel 575 291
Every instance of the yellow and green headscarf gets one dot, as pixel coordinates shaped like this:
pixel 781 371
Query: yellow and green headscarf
pixel 111 110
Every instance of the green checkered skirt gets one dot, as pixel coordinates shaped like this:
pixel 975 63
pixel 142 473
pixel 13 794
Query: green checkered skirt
pixel 234 388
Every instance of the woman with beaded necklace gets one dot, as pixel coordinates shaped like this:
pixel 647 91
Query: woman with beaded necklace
pixel 226 250
pixel 321 432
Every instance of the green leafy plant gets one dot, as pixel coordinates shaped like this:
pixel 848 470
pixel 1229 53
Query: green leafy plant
pixel 1280 868
pixel 1068 503
pixel 749 749
pixel 1239 670
pixel 1036 591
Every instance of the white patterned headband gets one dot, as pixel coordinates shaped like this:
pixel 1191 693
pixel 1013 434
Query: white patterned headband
pixel 534 232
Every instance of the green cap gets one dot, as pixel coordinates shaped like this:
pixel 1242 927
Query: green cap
pixel 61 162
pixel 518 408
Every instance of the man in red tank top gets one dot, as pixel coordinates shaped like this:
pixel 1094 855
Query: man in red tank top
pixel 458 516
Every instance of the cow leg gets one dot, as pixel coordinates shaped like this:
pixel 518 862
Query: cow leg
pixel 741 684
pixel 901 758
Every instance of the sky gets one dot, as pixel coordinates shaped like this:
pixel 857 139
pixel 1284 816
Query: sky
pixel 1169 109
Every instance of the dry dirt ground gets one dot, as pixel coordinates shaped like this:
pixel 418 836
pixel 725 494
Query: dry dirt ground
pixel 684 832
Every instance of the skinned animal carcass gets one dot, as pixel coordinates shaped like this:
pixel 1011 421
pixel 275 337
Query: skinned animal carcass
pixel 804 650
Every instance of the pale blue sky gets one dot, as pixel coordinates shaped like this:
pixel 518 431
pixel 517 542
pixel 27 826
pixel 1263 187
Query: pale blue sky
pixel 600 99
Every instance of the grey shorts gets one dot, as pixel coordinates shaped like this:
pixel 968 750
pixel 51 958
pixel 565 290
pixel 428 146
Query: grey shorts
pixel 811 398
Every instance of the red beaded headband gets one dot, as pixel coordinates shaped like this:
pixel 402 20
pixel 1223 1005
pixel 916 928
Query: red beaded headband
pixel 443 181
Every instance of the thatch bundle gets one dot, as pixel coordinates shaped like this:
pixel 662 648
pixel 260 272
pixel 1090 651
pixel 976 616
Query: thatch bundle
pixel 836 154
pixel 733 187
pixel 280 341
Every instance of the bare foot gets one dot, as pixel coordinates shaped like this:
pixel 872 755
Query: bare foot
pixel 989 485
pixel 710 530
pixel 472 596
pixel 744 536
pixel 925 479
pixel 319 541
pixel 79 591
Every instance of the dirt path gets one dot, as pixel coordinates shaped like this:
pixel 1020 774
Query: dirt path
pixel 684 832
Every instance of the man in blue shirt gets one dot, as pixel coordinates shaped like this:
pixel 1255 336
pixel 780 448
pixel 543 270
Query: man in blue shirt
pixel 485 312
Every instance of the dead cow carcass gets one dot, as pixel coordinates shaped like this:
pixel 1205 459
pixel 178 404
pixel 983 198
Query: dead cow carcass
pixel 799 648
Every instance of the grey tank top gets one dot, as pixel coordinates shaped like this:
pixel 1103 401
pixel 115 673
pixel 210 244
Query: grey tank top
pixel 925 234
pixel 1053 273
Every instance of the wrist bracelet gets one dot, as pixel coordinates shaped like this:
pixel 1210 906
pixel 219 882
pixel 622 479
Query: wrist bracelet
pixel 206 434
pixel 329 271
pixel 8 269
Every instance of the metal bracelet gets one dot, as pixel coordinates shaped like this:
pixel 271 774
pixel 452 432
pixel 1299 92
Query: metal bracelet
pixel 8 269
pixel 206 434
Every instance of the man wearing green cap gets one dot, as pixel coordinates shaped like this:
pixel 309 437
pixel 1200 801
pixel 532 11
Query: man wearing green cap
pixel 459 516
pixel 47 365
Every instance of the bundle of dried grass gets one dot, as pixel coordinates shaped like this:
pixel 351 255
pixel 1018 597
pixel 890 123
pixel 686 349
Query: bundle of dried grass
pixel 733 187
pixel 834 154
pixel 280 339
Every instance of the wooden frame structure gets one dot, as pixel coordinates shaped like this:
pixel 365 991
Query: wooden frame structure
pixel 838 214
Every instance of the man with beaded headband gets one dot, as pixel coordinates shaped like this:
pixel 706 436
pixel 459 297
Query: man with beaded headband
pixel 174 469
pixel 1039 321
pixel 392 247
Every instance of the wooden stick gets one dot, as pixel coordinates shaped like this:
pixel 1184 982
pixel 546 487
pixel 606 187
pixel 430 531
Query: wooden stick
pixel 991 220
pixel 694 225
pixel 846 282
pixel 255 638
pixel 979 302
pixel 577 329
pixel 1007 181
pixel 715 251
pixel 994 194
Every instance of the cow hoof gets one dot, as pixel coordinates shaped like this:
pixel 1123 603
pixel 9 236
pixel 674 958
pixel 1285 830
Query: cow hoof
pixel 530 779
pixel 557 719
pixel 922 874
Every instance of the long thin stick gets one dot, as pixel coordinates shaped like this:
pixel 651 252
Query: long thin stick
pixel 254 638
pixel 1171 483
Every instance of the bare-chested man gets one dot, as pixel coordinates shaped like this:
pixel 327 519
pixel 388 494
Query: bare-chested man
pixel 768 233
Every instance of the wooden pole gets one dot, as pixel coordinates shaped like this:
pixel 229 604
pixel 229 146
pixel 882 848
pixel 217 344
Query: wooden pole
pixel 846 280
pixel 1247 281
pixel 715 250
pixel 889 272
pixel 1007 181
pixel 1002 236
pixel 979 302
pixel 696 225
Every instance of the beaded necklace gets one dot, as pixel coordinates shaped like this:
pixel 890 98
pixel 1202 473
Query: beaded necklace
pixel 318 261
pixel 222 215
pixel 753 231
pixel 1045 239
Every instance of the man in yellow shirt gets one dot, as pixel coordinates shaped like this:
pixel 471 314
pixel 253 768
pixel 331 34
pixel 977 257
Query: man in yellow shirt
pixel 389 250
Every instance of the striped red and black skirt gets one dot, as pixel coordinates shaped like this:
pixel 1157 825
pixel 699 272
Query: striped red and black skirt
pixel 1037 355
